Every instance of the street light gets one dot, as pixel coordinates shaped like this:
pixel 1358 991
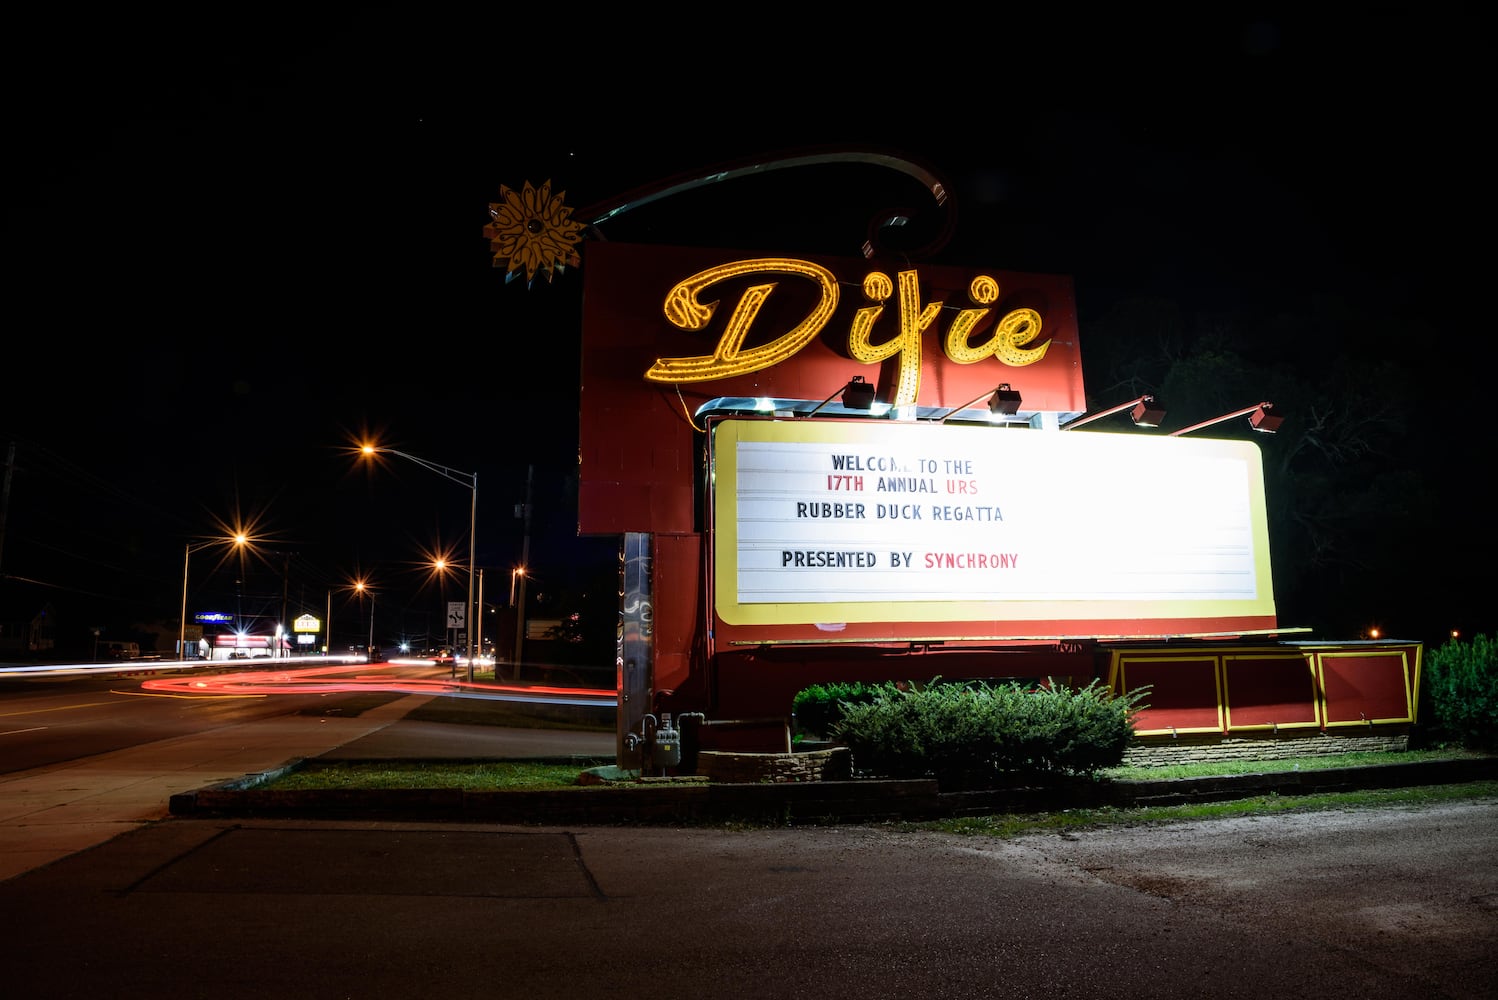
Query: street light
pixel 439 566
pixel 363 588
pixel 518 573
pixel 238 541
pixel 470 480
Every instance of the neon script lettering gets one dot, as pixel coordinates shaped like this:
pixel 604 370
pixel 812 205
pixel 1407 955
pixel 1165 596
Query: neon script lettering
pixel 1009 341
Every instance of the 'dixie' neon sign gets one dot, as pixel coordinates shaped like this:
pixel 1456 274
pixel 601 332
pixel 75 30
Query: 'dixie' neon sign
pixel 684 308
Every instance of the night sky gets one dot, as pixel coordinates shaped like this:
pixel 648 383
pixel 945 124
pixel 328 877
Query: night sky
pixel 240 244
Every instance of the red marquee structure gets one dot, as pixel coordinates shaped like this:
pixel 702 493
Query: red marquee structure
pixel 826 469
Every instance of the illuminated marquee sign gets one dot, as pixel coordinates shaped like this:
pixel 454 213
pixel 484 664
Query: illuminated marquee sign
pixel 674 334
pixel 685 309
pixel 306 623
pixel 838 521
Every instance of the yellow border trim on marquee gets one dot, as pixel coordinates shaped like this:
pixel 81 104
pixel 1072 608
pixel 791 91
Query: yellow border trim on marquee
pixel 948 440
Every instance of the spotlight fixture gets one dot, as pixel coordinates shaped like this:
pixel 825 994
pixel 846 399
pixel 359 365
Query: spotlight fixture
pixel 1004 402
pixel 1145 412
pixel 1148 413
pixel 1263 421
pixel 857 395
pixel 1259 418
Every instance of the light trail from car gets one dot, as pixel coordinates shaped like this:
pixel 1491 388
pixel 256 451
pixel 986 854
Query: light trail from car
pixel 347 678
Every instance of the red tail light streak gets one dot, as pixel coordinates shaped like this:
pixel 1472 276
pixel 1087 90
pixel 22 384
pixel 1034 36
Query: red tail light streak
pixel 361 677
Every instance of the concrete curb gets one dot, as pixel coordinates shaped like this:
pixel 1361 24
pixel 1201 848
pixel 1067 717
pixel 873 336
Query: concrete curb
pixel 790 803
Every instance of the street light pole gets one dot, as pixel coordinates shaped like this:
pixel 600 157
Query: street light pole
pixel 182 622
pixel 479 624
pixel 525 558
pixel 188 550
pixel 363 588
pixel 285 592
pixel 518 573
pixel 470 480
pixel 473 518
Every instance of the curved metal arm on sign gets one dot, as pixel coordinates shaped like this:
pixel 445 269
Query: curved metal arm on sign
pixel 599 213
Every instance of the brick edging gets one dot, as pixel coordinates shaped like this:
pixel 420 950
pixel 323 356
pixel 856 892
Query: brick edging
pixel 808 802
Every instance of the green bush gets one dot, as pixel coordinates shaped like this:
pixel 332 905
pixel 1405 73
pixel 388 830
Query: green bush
pixel 975 734
pixel 1462 681
pixel 817 708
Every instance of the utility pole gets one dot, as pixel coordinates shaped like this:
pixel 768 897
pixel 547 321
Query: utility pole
pixel 478 627
pixel 525 558
pixel 285 587
pixel 10 467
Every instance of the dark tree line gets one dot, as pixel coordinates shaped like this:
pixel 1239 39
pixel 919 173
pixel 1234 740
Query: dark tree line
pixel 1360 537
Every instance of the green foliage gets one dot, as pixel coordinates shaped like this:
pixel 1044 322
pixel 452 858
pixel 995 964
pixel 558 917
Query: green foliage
pixel 977 734
pixel 492 776
pixel 817 708
pixel 551 776
pixel 1462 681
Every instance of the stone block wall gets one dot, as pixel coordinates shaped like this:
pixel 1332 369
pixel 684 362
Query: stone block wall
pixel 1162 751
pixel 829 764
pixel 835 763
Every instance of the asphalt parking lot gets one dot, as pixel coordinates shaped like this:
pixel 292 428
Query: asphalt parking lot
pixel 1375 904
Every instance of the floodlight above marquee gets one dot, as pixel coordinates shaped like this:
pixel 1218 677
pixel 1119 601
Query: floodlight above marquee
pixel 857 394
pixel 1259 418
pixel 1145 412
pixel 1004 402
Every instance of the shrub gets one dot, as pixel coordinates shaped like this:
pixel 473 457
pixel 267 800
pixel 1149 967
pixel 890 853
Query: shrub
pixel 817 708
pixel 1462 681
pixel 976 733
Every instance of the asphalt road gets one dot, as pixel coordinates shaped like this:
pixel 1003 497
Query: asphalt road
pixel 51 721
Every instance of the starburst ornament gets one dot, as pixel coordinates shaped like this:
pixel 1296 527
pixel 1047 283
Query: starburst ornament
pixel 534 231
